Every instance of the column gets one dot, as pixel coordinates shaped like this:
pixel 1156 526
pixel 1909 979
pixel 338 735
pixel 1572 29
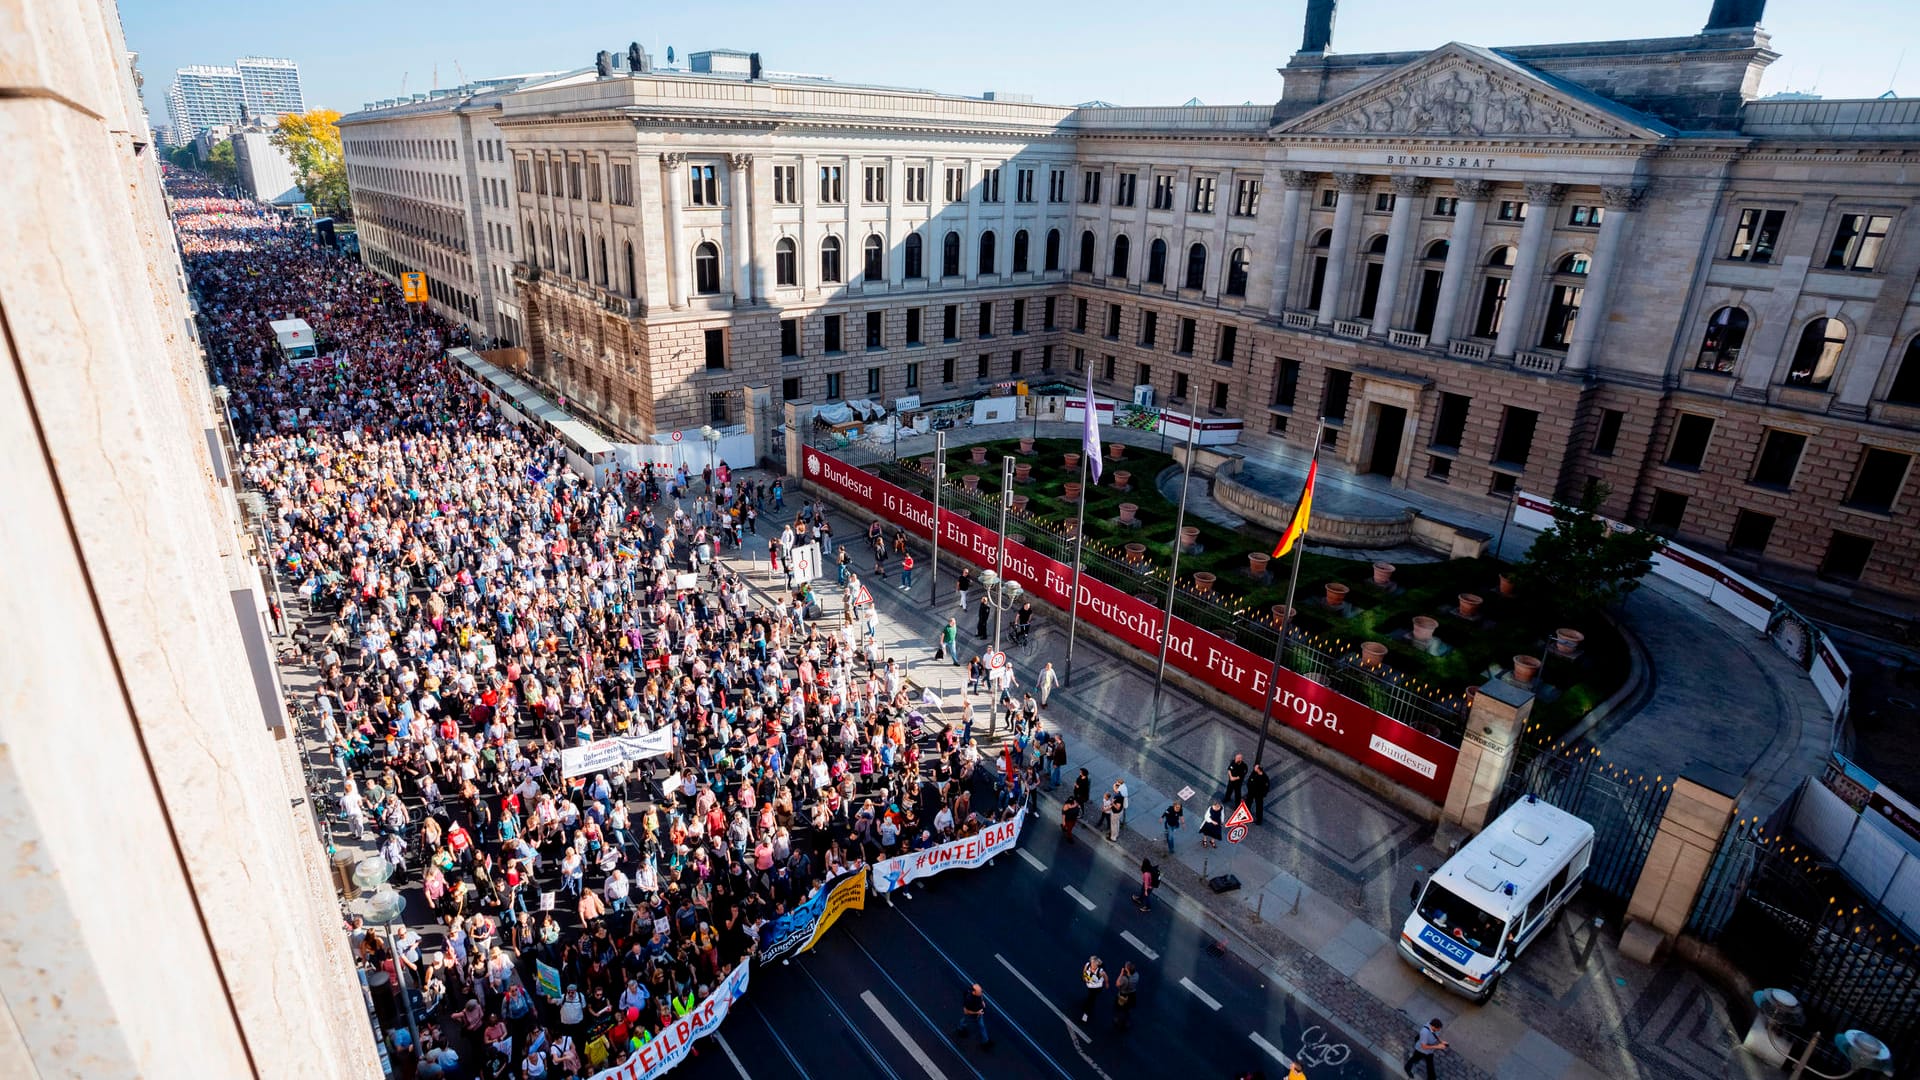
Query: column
pixel 1353 188
pixel 1219 248
pixel 1286 238
pixel 1620 201
pixel 1407 193
pixel 1142 242
pixel 1691 828
pixel 1499 716
pixel 1103 252
pixel 970 234
pixel 1542 199
pixel 677 258
pixel 1009 199
pixel 744 288
pixel 1462 253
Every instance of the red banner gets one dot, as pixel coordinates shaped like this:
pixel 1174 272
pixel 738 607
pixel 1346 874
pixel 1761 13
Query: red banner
pixel 1411 758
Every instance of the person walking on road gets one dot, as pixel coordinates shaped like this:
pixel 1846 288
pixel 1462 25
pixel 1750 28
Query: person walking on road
pixel 973 1016
pixel 1258 784
pixel 1069 817
pixel 1236 779
pixel 1047 681
pixel 1094 978
pixel 949 643
pixel 1149 881
pixel 1210 828
pixel 1125 985
pixel 980 626
pixel 962 587
pixel 1170 821
pixel 1058 761
pixel 1425 1046
pixel 906 573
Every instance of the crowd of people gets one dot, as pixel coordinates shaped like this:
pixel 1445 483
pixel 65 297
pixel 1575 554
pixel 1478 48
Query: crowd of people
pixel 473 607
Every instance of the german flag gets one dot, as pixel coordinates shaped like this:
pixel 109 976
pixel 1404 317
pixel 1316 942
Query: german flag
pixel 1297 528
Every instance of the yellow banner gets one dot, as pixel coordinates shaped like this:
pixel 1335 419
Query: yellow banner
pixel 851 892
pixel 413 286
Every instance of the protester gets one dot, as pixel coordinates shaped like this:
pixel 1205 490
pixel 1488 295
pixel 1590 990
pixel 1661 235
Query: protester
pixel 1094 978
pixel 973 1016
pixel 1170 821
pixel 1210 827
pixel 1125 986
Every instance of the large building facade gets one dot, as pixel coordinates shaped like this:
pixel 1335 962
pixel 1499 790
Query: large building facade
pixel 1470 271
pixel 271 86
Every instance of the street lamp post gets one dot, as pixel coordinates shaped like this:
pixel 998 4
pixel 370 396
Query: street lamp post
pixel 1173 574
pixel 383 907
pixel 1000 592
pixel 712 437
pixel 939 481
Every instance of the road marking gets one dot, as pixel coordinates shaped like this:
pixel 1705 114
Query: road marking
pixel 893 1027
pixel 1270 1049
pixel 1051 1007
pixel 1084 902
pixel 1031 861
pixel 1201 994
pixel 731 1056
pixel 1005 1018
pixel 1127 936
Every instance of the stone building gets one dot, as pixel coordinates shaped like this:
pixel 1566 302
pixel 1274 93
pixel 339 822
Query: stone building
pixel 1470 270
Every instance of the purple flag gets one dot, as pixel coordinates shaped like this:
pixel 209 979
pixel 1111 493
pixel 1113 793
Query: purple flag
pixel 1090 443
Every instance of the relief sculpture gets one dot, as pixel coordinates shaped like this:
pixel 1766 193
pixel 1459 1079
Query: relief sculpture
pixel 1458 101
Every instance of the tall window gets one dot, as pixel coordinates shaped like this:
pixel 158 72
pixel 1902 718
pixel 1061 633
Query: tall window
pixel 830 259
pixel 786 263
pixel 1020 245
pixel 950 255
pixel 916 266
pixel 1720 348
pixel 990 185
pixel 1196 267
pixel 830 188
pixel 1563 306
pixel 874 183
pixel 1157 262
pixel 1053 249
pixel 627 260
pixel 1493 294
pixel 1203 194
pixel 874 265
pixel 1085 264
pixel 1023 186
pixel 1122 247
pixel 706 268
pixel 1856 244
pixel 987 252
pixel 1056 185
pixel 956 185
pixel 1246 198
pixel 1756 235
pixel 1162 191
pixel 1317 280
pixel 1237 273
pixel 1090 186
pixel 706 190
pixel 1124 186
pixel 917 184
pixel 1818 354
pixel 600 264
pixel 784 181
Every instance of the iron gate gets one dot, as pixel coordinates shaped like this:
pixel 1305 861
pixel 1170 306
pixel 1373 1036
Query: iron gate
pixel 1623 807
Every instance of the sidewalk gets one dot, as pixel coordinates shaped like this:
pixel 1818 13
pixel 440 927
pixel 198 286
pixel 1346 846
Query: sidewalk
pixel 1325 880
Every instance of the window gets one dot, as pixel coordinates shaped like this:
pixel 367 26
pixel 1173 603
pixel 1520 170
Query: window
pixel 832 341
pixel 1056 185
pixel 913 376
pixel 790 389
pixel 1047 313
pixel 1687 449
pixel 986 318
pixel 874 268
pixel 1877 484
pixel 706 269
pixel 1586 217
pixel 1751 531
pixel 956 185
pixel 1383 201
pixel 1779 459
pixel 1451 423
pixel 523 175
pixel 830 259
pixel 1080 316
pixel 593 181
pixel 716 349
pixel 946 370
pixel 1223 352
pixel 1333 396
pixel 990 185
pixel 1086 251
pixel 1090 186
pixel 1856 244
pixel 830 190
pixel 1122 248
pixel 1286 383
pixel 913 326
pixel 1905 389
pixel 1196 267
pixel 1203 194
pixel 950 322
pixel 873 381
pixel 1439 469
pixel 1053 249
pixel 1756 235
pixel 1124 186
pixel 1246 198
pixel 574 171
pixel 1157 262
pixel 1720 348
pixel 1563 310
pixel 1493 296
pixel 1013 363
pixel 1179 382
pixel 1183 344
pixel 915 264
pixel 1113 322
pixel 1329 198
pixel 1023 186
pixel 1149 328
pixel 916 184
pixel 950 255
pixel 875 337
pixel 1511 210
pixel 1846 557
pixel 874 183
pixel 1607 436
pixel 984 367
pixel 623 185
pixel 833 386
pixel 1020 245
pixel 986 252
pixel 1516 437
pixel 706 190
pixel 784 184
pixel 786 262
pixel 1162 191
pixel 1237 273
pixel 1106 369
pixel 1446 206
pixel 1046 359
pixel 790 341
pixel 1020 316
pixel 1818 354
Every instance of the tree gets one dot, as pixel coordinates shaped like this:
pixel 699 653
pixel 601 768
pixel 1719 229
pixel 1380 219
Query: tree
pixel 220 163
pixel 311 141
pixel 1585 563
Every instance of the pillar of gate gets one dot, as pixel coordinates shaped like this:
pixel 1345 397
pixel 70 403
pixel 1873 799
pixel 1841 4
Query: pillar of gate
pixel 1500 712
pixel 1690 832
pixel 758 415
pixel 799 413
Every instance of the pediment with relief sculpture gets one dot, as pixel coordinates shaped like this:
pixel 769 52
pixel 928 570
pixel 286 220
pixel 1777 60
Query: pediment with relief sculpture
pixel 1459 91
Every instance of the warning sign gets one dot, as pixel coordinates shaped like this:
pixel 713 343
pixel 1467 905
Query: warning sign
pixel 1240 816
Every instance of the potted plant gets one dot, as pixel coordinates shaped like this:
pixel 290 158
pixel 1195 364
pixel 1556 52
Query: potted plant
pixel 1257 563
pixel 1203 582
pixel 1336 594
pixel 1127 510
pixel 1469 605
pixel 1383 573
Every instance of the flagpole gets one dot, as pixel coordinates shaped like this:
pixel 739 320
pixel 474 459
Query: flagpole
pixel 1173 573
pixel 1286 624
pixel 939 481
pixel 1079 545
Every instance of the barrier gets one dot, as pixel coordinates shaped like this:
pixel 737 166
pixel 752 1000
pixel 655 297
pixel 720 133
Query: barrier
pixel 1409 757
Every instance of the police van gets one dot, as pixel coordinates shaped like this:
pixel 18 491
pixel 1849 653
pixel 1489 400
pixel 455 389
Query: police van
pixel 1492 899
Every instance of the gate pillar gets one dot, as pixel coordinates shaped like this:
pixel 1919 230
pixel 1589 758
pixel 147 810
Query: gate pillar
pixel 1500 712
pixel 799 415
pixel 1690 831
pixel 758 415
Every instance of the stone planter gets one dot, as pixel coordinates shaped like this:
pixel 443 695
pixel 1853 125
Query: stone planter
pixel 1372 654
pixel 1508 587
pixel 1525 669
pixel 1189 537
pixel 1136 553
pixel 1257 563
pixel 1018 504
pixel 1336 594
pixel 1122 480
pixel 1203 582
pixel 979 455
pixel 1071 491
pixel 1022 472
pixel 1127 510
pixel 1470 605
pixel 1071 461
pixel 1567 641
pixel 1281 613
pixel 1383 573
pixel 970 482
pixel 1026 444
pixel 1423 628
pixel 1116 451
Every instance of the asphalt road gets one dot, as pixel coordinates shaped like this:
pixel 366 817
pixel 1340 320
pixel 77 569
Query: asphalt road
pixel 880 995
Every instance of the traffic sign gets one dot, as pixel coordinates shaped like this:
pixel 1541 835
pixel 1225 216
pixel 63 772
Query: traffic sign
pixel 1240 816
pixel 676 436
pixel 413 287
pixel 1236 834
pixel 996 660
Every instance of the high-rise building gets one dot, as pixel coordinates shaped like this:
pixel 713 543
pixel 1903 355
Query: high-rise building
pixel 203 95
pixel 272 86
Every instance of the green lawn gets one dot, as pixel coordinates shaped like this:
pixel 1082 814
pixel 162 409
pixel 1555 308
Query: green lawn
pixel 1507 625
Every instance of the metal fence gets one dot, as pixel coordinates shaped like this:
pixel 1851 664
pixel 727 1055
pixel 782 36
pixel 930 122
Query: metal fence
pixel 1623 807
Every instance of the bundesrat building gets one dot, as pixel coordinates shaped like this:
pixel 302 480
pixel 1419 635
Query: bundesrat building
pixel 1473 269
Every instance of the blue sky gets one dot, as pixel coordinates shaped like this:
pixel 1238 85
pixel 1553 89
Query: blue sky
pixel 1130 52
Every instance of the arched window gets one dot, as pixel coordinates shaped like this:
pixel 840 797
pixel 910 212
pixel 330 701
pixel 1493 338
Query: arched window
pixel 916 264
pixel 1437 251
pixel 1493 293
pixel 1157 262
pixel 986 252
pixel 950 255
pixel 786 262
pixel 600 265
pixel 1906 381
pixel 1053 249
pixel 580 255
pixel 1372 270
pixel 1818 354
pixel 706 268
pixel 830 259
pixel 875 262
pixel 1122 252
pixel 546 235
pixel 1196 267
pixel 633 289
pixel 1020 245
pixel 1237 273
pixel 1574 262
pixel 1503 256
pixel 1720 348
pixel 1316 286
pixel 1377 245
pixel 1086 251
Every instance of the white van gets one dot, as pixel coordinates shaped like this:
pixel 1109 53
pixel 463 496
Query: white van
pixel 1491 900
pixel 295 338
